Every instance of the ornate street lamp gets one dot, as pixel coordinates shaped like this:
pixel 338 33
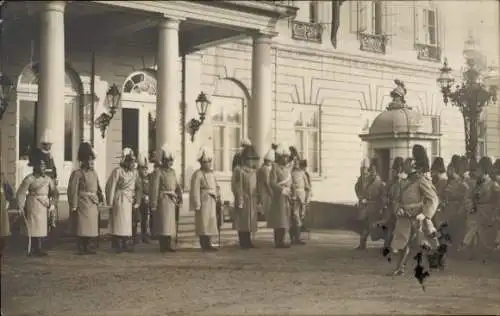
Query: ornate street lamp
pixel 6 89
pixel 470 96
pixel 113 97
pixel 202 104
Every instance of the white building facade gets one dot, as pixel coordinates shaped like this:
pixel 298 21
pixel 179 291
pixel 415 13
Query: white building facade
pixel 270 69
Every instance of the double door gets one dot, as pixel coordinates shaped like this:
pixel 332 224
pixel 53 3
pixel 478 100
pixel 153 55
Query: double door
pixel 139 127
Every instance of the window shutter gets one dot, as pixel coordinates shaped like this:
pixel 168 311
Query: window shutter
pixel 389 19
pixel 419 25
pixel 353 12
pixel 364 16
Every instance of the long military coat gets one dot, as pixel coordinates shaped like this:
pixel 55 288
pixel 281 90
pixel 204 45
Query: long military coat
pixel 481 221
pixel 4 216
pixel 123 191
pixel 84 195
pixel 374 195
pixel 417 195
pixel 35 196
pixel 455 203
pixel 264 188
pixel 279 215
pixel 203 201
pixel 440 182
pixel 245 218
pixel 300 193
pixel 166 194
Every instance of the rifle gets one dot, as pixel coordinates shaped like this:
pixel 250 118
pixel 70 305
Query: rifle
pixel 220 217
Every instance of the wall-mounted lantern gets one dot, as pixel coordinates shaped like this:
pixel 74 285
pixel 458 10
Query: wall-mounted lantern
pixel 113 97
pixel 7 87
pixel 202 104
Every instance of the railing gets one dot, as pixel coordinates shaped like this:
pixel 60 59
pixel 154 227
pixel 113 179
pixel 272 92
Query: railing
pixel 374 43
pixel 304 31
pixel 428 52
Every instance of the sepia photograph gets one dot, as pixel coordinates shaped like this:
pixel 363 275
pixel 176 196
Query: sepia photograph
pixel 334 157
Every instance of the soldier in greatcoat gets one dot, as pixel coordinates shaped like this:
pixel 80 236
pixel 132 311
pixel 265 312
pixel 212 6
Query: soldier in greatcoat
pixel 84 197
pixel 203 200
pixel 247 198
pixel 299 196
pixel 454 203
pixel 485 210
pixel 166 196
pixel 36 197
pixel 416 205
pixel 44 150
pixel 280 180
pixel 142 214
pixel 372 203
pixel 393 188
pixel 263 185
pixel 123 194
pixel 439 179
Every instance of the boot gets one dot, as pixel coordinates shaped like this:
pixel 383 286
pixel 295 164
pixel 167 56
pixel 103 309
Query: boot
pixel 40 252
pixel 248 237
pixel 135 240
pixel 242 240
pixel 166 244
pixel 362 240
pixel 208 244
pixel 87 246
pixel 127 244
pixel 202 240
pixel 34 246
pixel 144 232
pixel 279 238
pixel 403 259
pixel 115 243
pixel 297 240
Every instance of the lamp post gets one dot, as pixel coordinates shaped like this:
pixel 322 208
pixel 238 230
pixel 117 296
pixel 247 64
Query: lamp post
pixel 470 96
pixel 202 104
pixel 113 97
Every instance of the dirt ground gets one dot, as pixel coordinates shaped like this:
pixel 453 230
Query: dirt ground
pixel 324 277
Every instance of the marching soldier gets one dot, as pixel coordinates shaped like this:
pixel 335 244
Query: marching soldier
pixel 373 201
pixel 455 202
pixel 203 200
pixel 263 185
pixel 123 193
pixel 299 196
pixel 416 205
pixel 280 180
pixel 485 208
pixel 247 198
pixel 360 185
pixel 166 195
pixel 36 196
pixel 439 178
pixel 389 215
pixel 303 166
pixel 142 214
pixel 84 197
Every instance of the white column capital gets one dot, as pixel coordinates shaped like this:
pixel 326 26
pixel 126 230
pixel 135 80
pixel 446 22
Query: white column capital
pixel 264 38
pixel 168 22
pixel 57 6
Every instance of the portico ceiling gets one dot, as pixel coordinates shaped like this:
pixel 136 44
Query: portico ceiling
pixel 113 23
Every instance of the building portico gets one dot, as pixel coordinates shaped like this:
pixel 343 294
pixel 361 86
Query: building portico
pixel 86 36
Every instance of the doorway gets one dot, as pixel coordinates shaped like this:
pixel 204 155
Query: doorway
pixel 138 127
pixel 384 157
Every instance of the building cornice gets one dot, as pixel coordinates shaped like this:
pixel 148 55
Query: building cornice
pixel 237 15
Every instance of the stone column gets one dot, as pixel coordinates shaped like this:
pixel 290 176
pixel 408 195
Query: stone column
pixel 168 86
pixel 260 111
pixel 51 77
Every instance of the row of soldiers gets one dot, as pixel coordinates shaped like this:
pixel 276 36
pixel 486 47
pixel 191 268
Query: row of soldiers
pixel 280 189
pixel 426 206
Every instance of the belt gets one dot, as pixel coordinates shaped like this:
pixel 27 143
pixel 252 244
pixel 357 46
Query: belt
pixel 412 206
pixel 87 193
pixel 37 194
pixel 167 192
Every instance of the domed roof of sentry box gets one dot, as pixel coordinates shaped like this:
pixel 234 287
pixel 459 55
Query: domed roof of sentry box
pixel 398 118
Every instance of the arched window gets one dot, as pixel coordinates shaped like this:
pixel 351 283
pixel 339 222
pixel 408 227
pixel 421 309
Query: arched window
pixel 142 82
pixel 27 98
